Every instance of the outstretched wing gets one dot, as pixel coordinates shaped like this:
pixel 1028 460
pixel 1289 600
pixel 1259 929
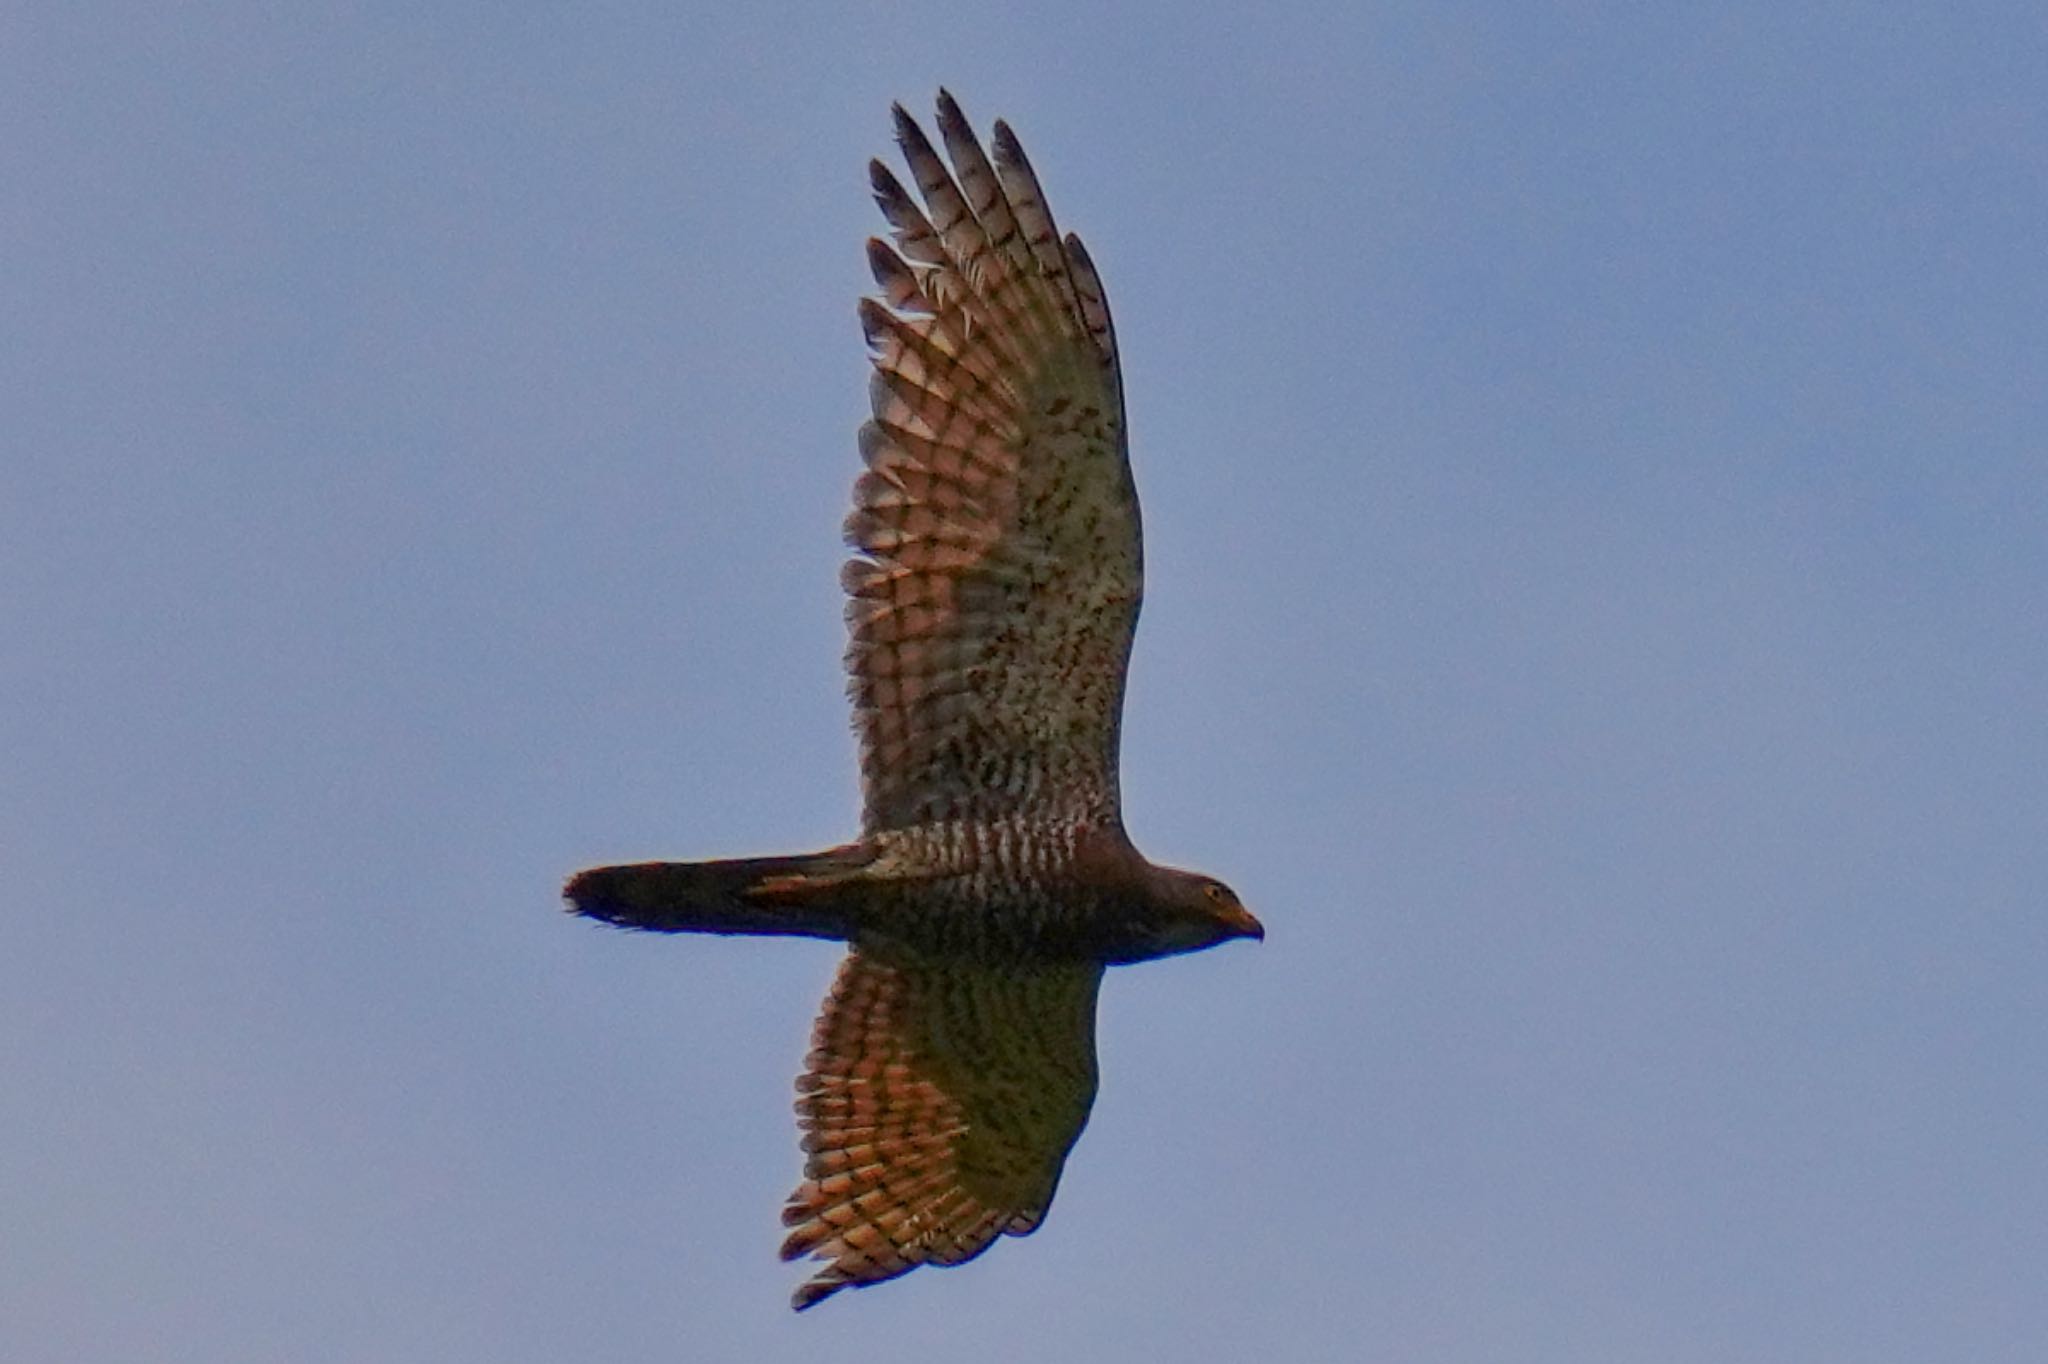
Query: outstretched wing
pixel 938 1105
pixel 992 609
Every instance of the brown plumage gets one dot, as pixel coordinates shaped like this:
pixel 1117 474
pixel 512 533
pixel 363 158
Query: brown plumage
pixel 990 610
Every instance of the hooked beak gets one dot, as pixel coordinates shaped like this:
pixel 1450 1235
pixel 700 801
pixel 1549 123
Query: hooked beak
pixel 1244 925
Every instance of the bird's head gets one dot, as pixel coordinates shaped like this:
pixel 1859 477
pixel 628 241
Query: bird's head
pixel 1193 911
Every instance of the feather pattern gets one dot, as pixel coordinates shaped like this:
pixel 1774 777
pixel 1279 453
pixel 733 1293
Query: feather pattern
pixel 991 608
pixel 938 1105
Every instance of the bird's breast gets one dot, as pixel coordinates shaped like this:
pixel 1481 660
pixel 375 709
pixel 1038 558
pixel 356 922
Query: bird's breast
pixel 1002 889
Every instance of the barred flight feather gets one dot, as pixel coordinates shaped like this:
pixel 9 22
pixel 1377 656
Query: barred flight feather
pixel 937 1108
pixel 991 611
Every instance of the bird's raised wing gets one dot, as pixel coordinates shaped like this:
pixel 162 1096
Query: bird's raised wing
pixel 938 1105
pixel 992 607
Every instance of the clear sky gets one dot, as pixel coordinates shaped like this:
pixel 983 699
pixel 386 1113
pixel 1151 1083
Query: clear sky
pixel 1595 461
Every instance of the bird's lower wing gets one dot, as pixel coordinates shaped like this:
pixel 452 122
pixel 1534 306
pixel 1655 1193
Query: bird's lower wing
pixel 938 1105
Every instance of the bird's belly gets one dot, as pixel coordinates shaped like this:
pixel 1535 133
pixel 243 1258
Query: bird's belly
pixel 984 915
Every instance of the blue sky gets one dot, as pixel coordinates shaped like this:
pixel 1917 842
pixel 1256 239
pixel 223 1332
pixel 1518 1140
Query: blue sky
pixel 1596 470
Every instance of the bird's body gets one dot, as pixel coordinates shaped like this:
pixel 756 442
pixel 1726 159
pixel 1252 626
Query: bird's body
pixel 990 611
pixel 1000 892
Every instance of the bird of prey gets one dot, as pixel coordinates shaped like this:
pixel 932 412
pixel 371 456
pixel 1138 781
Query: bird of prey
pixel 990 604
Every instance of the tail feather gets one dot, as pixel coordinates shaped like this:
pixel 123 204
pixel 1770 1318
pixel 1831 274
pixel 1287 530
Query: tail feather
pixel 800 896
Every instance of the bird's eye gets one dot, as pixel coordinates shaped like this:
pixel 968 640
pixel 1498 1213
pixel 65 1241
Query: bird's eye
pixel 1214 892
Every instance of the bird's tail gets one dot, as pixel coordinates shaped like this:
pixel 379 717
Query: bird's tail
pixel 805 896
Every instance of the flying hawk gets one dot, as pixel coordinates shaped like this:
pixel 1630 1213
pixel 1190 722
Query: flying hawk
pixel 990 605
